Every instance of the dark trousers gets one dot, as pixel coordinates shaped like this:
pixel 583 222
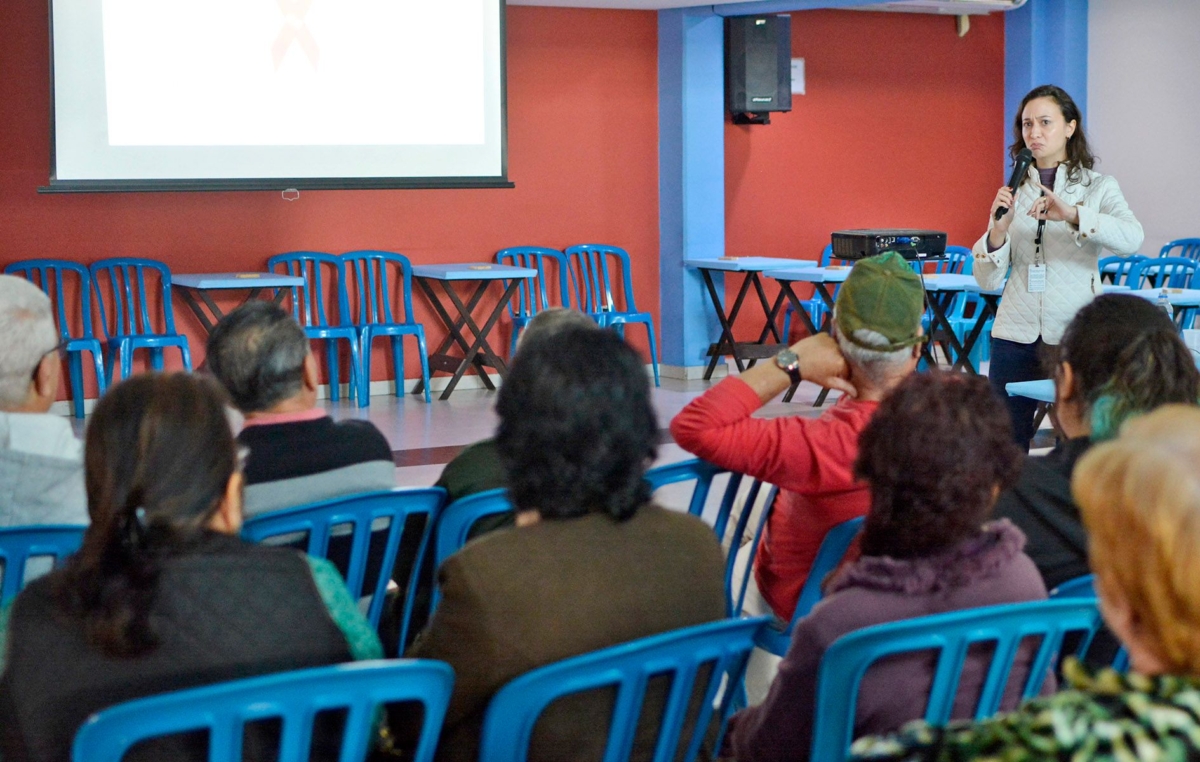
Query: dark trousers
pixel 1012 362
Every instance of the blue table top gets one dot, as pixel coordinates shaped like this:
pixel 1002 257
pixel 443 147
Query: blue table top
pixel 1113 288
pixel 1041 390
pixel 217 281
pixel 834 274
pixel 949 282
pixel 748 264
pixel 472 271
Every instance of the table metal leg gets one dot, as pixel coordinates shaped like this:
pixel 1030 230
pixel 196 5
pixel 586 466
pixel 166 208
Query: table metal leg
pixel 186 295
pixel 471 349
pixel 956 356
pixel 725 344
pixel 987 308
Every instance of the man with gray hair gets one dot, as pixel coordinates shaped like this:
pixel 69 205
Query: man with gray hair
pixel 41 463
pixel 298 454
pixel 877 324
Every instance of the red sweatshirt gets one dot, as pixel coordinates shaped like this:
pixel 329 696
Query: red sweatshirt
pixel 810 460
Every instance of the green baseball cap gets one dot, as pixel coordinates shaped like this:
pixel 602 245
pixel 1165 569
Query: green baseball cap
pixel 882 294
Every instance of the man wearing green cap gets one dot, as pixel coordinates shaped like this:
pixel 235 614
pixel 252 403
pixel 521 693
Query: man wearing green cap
pixel 875 345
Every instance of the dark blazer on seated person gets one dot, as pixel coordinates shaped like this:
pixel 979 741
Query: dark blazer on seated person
pixel 520 598
pixel 1040 503
pixel 986 570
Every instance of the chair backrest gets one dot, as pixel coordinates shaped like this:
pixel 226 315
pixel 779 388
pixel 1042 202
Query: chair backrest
pixel 455 522
pixel 1080 587
pixel 592 266
pixel 20 544
pixel 833 549
pixel 1120 267
pixel 377 278
pixel 51 275
pixel 956 259
pixel 123 281
pixel 359 512
pixel 748 526
pixel 950 635
pixel 627 668
pixel 319 271
pixel 1164 272
pixel 532 293
pixel 1189 248
pixel 293 698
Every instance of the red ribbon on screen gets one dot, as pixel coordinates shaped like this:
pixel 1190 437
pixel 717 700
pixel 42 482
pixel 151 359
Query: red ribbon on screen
pixel 295 30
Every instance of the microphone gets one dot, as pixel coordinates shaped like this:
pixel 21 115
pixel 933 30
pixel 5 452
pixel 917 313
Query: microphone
pixel 1020 168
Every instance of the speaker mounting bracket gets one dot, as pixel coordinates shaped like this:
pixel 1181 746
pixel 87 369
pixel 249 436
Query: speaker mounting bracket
pixel 751 117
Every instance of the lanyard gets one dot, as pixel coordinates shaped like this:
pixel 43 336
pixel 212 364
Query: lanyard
pixel 1037 240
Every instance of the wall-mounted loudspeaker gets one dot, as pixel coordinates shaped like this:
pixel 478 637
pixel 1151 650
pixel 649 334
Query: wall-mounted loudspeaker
pixel 758 67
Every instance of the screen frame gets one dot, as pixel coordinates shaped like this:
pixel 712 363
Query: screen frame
pixel 277 184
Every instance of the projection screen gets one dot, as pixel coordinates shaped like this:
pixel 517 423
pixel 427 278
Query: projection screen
pixel 180 94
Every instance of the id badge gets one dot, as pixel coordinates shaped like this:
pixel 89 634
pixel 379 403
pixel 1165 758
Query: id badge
pixel 1037 279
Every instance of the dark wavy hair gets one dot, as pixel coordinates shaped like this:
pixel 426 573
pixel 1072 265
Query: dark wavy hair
pixel 158 457
pixel 1079 153
pixel 935 454
pixel 1127 358
pixel 577 428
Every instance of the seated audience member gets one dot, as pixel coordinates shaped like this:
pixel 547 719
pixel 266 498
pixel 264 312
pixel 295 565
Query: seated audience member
pixel 41 461
pixel 935 455
pixel 298 455
pixel 477 468
pixel 1120 357
pixel 162 595
pixel 591 561
pixel 877 324
pixel 1140 499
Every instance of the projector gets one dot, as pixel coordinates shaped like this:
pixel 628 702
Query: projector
pixel 911 244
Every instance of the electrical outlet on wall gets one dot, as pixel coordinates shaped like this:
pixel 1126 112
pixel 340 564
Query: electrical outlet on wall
pixel 798 76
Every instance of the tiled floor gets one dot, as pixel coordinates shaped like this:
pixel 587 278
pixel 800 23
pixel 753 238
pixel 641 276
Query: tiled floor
pixel 425 436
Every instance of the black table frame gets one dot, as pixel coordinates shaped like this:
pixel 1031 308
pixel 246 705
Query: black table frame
pixel 477 354
pixel 210 322
pixel 788 296
pixel 727 344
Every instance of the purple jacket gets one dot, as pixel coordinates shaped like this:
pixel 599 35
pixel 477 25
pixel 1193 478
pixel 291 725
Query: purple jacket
pixel 986 570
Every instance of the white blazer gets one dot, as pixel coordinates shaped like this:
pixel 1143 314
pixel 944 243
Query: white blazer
pixel 1069 253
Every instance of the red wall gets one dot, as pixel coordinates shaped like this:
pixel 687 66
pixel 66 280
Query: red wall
pixel 582 150
pixel 897 129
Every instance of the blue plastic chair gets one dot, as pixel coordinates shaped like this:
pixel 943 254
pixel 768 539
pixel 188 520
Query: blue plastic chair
pixel 123 281
pixel 703 473
pixel 374 290
pixel 836 543
pixel 20 544
pixel 950 635
pixel 627 668
pixel 1164 272
pixel 50 276
pixel 1119 267
pixel 533 296
pixel 294 698
pixel 1189 248
pixel 454 526
pixel 1084 587
pixel 359 512
pixel 592 268
pixel 308 307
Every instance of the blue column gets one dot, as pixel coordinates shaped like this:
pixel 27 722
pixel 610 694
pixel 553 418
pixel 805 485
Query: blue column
pixel 691 185
pixel 1046 43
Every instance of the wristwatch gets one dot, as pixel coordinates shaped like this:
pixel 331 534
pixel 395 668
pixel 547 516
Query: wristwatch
pixel 789 363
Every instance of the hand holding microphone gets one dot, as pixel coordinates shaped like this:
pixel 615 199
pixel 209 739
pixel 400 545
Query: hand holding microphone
pixel 1004 201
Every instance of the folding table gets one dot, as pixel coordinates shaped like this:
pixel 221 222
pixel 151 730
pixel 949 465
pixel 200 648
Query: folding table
pixel 1184 301
pixel 477 352
pixel 193 286
pixel 821 278
pixel 751 268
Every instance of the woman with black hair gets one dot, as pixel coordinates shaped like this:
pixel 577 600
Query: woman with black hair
pixel 1062 216
pixel 591 561
pixel 935 455
pixel 1120 357
pixel 163 595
